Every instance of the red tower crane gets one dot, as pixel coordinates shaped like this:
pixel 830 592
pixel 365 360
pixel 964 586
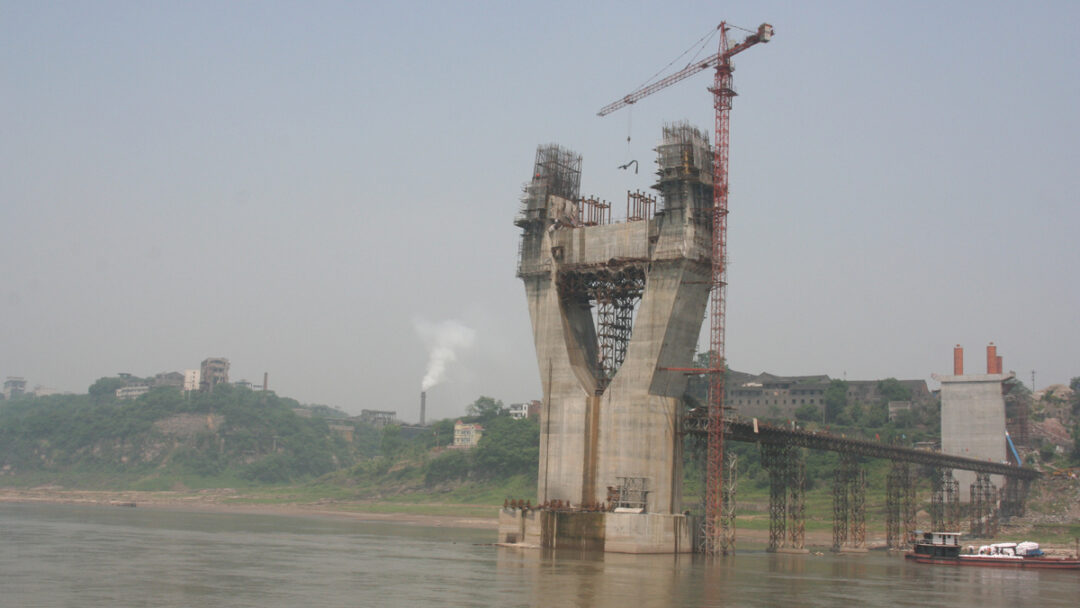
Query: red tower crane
pixel 722 93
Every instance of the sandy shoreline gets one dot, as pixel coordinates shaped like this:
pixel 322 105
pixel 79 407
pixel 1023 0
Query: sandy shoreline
pixel 232 501
pixel 218 501
pixel 221 501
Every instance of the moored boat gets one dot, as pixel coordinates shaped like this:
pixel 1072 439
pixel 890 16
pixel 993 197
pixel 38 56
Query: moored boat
pixel 944 548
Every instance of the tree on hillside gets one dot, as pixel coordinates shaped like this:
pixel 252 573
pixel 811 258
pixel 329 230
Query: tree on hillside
pixel 486 408
pixel 1074 384
pixel 508 447
pixel 890 389
pixel 808 413
pixel 105 388
pixel 835 400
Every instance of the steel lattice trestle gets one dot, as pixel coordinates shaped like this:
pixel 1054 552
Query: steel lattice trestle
pixel 849 531
pixel 907 505
pixel 796 499
pixel 1013 495
pixel 899 505
pixel 944 501
pixel 727 515
pixel 952 501
pixel 787 507
pixel 849 505
pixel 937 500
pixel 743 430
pixel 857 489
pixel 774 459
pixel 893 490
pixel 983 507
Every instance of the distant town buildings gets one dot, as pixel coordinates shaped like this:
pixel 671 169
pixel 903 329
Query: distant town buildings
pixel 212 371
pixel 467 435
pixel 769 396
pixel 15 387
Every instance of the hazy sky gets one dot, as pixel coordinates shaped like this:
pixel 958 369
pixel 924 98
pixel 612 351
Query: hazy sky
pixel 311 188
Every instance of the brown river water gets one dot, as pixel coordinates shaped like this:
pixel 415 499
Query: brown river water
pixel 90 556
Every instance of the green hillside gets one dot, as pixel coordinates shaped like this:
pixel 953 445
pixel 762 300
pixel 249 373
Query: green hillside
pixel 234 436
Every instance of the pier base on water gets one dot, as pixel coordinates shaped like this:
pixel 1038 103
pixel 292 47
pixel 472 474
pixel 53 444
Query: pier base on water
pixel 596 531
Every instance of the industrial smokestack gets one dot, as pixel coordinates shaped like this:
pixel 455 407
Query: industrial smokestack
pixel 266 381
pixel 423 406
pixel 999 365
pixel 991 359
pixel 958 361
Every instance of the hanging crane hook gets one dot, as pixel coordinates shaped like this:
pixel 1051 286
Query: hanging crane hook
pixel 627 166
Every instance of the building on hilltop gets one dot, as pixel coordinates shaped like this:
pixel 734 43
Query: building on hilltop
pixel 191 380
pixel 175 379
pixel 14 386
pixel 214 370
pixel 467 435
pixel 132 391
pixel 378 418
pixel 528 409
pixel 45 391
pixel 767 395
pixel 897 407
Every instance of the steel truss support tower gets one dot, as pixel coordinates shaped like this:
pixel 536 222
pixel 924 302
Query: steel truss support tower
pixel 945 501
pixel 1013 495
pixel 796 500
pixel 849 505
pixel 899 505
pixel 983 507
pixel 787 505
pixel 727 517
pixel 937 500
pixel 774 459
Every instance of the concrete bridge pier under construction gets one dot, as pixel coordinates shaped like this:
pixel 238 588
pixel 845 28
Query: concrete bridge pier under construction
pixel 612 305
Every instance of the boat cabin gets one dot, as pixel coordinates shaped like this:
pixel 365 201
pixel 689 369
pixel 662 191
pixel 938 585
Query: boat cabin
pixel 939 544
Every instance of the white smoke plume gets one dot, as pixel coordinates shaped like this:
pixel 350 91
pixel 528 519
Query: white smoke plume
pixel 444 340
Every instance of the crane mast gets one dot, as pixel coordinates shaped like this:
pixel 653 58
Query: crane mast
pixel 718 537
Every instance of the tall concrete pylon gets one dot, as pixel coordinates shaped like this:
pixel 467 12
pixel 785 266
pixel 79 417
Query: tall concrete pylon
pixel 611 412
